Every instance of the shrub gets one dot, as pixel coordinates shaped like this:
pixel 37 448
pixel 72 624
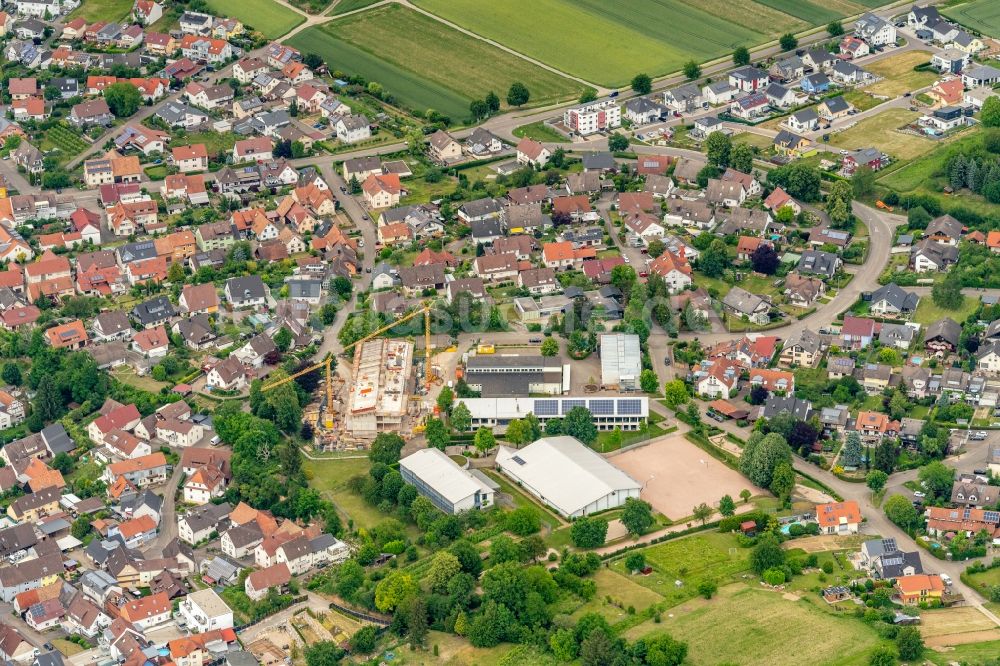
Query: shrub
pixel 774 577
pixel 828 567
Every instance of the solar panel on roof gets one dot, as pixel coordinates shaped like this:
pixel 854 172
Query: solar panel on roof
pixel 570 404
pixel 602 407
pixel 518 460
pixel 991 516
pixel 546 407
pixel 630 407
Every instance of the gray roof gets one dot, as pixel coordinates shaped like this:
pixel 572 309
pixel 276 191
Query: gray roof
pixel 807 339
pixel 800 409
pixel 837 104
pixel 805 116
pixel 947 329
pixel 598 161
pixel 893 333
pixel 248 287
pixel 742 300
pixel 481 207
pixel 57 440
pixel 892 565
pixel 817 262
pixel 896 296
pixel 156 309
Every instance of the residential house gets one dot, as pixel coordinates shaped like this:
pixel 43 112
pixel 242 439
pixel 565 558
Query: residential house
pixel 839 517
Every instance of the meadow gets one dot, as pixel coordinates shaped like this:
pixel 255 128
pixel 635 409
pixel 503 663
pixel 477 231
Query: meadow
pixel 898 76
pixel 980 15
pixel 103 10
pixel 607 43
pixel 881 130
pixel 810 12
pixel 269 18
pixel 763 627
pixel 345 6
pixel 424 63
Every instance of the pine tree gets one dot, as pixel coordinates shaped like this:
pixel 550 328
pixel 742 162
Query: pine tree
pixel 972 178
pixel 958 169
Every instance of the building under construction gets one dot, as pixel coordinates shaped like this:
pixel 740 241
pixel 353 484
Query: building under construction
pixel 380 389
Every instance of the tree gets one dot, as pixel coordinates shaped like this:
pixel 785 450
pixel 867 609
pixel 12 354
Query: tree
pixel 707 588
pixel 393 590
pixel 437 433
pixel 764 259
pixel 416 620
pixel 385 448
pixel 741 56
pixel 835 28
pixel 838 203
pixel 767 554
pixel 123 98
pixel 691 70
pixel 81 527
pixel 364 640
pixel 323 653
pixel 702 512
pixel 624 278
pixel 588 532
pixel 783 481
pixel 461 417
pixel 663 650
pixel 492 101
pixel 882 655
pixel 518 432
pixel 715 260
pixel 550 346
pixel 885 456
pixel 479 109
pixel 518 94
pixel 947 293
pixel 788 42
pixel 761 455
pixel 642 84
pixel 617 142
pixel 637 517
pixel 741 157
pixel 990 114
pixel 63 463
pixel 675 393
pixel 484 440
pixel 444 567
pixel 12 374
pixel 852 453
pixel 579 423
pixel 900 510
pixel 445 399
pixel 909 643
pixel 598 649
pixel 648 381
pixel 802 436
pixel 745 495
pixel 727 506
pixel 937 479
pixel 655 248
pixel 635 561
pixel 875 480
pixel 283 339
pixel 562 642
pixel 523 521
pixel 717 147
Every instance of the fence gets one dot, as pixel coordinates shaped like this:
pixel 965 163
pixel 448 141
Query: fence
pixel 358 615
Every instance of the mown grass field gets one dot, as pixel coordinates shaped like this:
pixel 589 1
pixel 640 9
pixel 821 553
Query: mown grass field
pixel 980 15
pixel 897 74
pixel 424 63
pixel 610 42
pixel 269 18
pixel 345 6
pixel 810 12
pixel 103 10
pixel 746 626
pixel 927 313
pixel 881 130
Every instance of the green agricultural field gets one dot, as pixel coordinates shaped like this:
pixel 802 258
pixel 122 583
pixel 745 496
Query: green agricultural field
pixel 65 143
pixel 610 42
pixel 269 18
pixel 103 10
pixel 980 15
pixel 345 6
pixel 760 627
pixel 424 63
pixel 810 12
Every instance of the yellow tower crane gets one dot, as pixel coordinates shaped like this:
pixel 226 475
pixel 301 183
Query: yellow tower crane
pixel 328 414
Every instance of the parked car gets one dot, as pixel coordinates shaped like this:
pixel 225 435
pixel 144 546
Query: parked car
pixel 917 493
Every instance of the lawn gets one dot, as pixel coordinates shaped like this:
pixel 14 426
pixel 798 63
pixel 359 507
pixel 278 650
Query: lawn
pixel 330 478
pixel 610 42
pixel 971 653
pixel 215 142
pixel 861 100
pixel 521 499
pixel 103 10
pixel 755 140
pixel 424 63
pixel 126 375
pixel 984 580
pixel 881 130
pixel 540 132
pixel 763 627
pixel 689 560
pixel 269 18
pixel 981 15
pixel 928 313
pixel 897 74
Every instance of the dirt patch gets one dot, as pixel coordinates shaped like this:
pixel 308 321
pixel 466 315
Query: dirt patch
pixel 790 596
pixel 947 640
pixel 615 530
pixel 812 495
pixel 824 542
pixel 953 622
pixel 678 476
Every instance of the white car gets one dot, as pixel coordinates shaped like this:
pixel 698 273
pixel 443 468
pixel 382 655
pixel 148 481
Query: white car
pixel 627 260
pixel 917 493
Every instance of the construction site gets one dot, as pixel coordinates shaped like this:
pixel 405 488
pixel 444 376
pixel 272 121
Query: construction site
pixel 381 386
